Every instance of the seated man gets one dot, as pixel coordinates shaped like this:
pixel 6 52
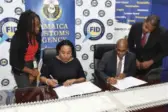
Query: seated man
pixel 117 64
pixel 64 68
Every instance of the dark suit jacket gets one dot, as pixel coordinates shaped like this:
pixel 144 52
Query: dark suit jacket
pixel 108 64
pixel 151 50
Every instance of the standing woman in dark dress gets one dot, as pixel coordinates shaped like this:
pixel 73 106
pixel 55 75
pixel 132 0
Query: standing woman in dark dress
pixel 64 69
pixel 25 49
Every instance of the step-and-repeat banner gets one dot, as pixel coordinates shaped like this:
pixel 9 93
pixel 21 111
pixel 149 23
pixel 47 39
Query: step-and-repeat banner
pixel 10 11
pixel 128 12
pixel 57 20
pixel 92 22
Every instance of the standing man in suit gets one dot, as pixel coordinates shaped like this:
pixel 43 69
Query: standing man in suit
pixel 117 64
pixel 144 40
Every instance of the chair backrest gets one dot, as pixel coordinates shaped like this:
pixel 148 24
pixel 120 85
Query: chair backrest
pixel 154 75
pixel 48 54
pixel 99 50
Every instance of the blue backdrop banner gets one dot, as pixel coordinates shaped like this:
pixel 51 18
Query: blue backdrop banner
pixel 131 11
pixel 57 20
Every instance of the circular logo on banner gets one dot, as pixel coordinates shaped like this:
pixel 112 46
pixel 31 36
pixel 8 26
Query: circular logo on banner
pixel 109 36
pixel 108 3
pixel 94 3
pixel 1 10
pixel 8 1
pixel 3 62
pixel 109 22
pixel 86 12
pixel 8 27
pixel 5 82
pixel 78 47
pixel 92 65
pixel 79 2
pixel 101 13
pixel 77 35
pixel 85 56
pixel 18 10
pixel 92 47
pixel 78 21
pixel 51 10
pixel 94 29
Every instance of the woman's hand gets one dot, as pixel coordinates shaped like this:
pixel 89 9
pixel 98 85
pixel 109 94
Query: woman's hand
pixel 35 72
pixel 69 82
pixel 52 82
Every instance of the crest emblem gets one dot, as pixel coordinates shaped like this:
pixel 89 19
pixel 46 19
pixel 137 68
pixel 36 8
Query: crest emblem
pixel 51 10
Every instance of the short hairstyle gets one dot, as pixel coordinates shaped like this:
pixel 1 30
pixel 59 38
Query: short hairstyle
pixel 68 43
pixel 153 20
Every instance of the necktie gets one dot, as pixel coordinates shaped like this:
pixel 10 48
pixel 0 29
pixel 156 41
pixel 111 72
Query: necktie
pixel 119 67
pixel 143 40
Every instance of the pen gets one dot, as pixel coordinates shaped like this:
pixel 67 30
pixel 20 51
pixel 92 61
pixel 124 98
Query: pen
pixel 53 78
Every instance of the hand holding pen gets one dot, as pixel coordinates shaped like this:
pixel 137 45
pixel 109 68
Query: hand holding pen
pixel 52 82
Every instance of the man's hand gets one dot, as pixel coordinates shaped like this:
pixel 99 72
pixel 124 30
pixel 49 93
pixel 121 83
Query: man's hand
pixel 111 80
pixel 69 82
pixel 120 76
pixel 146 64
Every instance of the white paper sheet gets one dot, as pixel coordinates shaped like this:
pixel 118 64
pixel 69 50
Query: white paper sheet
pixel 76 89
pixel 128 82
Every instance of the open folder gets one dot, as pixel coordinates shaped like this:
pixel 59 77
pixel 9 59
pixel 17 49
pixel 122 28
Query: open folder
pixel 128 82
pixel 76 89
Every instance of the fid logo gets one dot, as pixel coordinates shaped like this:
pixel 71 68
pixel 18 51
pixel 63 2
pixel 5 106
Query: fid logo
pixel 93 30
pixel 8 26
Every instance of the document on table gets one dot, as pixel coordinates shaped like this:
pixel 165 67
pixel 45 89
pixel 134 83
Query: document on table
pixel 128 82
pixel 76 89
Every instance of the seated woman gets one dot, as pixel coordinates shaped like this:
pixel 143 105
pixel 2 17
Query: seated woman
pixel 64 68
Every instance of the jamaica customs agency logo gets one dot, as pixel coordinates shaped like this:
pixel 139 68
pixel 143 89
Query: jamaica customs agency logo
pixel 93 29
pixel 51 9
pixel 8 27
pixel 3 62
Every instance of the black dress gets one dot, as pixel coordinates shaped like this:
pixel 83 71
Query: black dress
pixel 63 71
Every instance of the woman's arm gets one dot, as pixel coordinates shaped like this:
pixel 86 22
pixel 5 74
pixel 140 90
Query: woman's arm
pixel 49 82
pixel 45 73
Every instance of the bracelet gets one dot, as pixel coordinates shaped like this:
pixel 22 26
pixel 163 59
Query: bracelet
pixel 46 81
